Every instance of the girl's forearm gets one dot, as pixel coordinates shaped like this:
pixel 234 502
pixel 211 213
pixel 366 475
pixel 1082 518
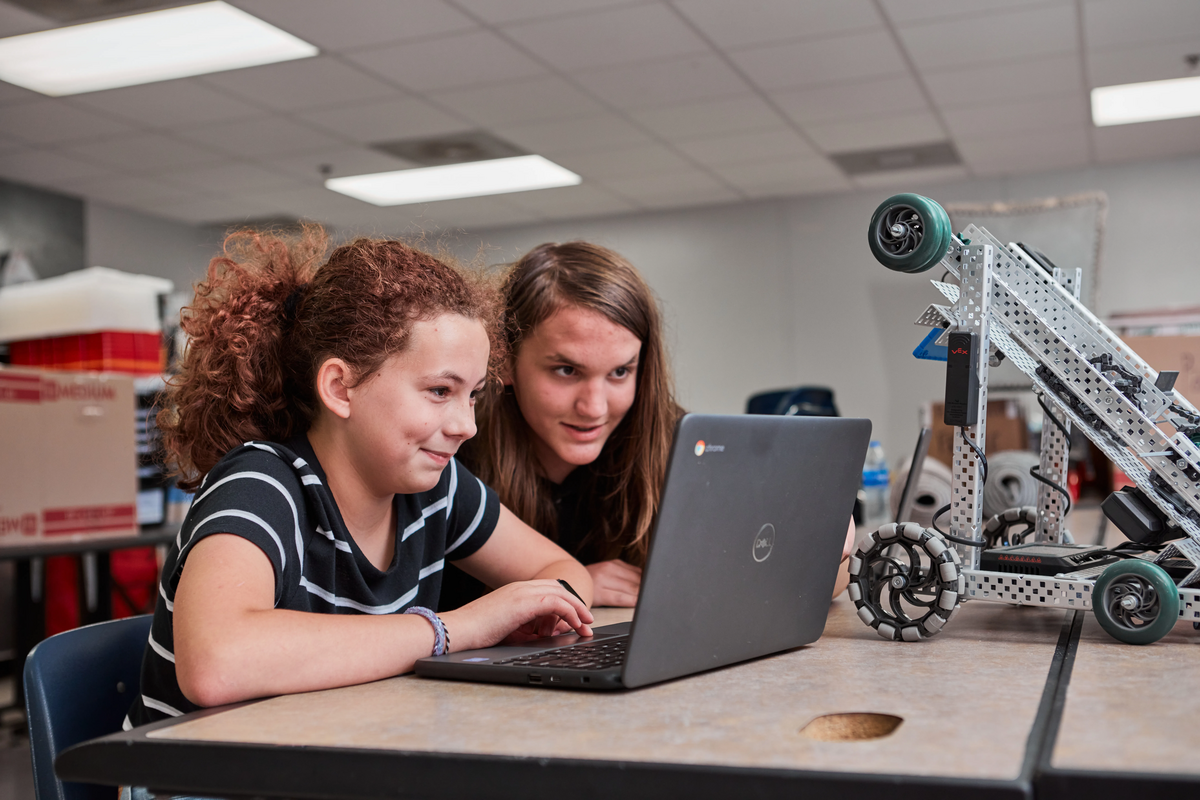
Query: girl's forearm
pixel 573 573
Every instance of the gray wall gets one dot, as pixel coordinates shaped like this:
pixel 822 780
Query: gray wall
pixel 784 292
pixel 48 227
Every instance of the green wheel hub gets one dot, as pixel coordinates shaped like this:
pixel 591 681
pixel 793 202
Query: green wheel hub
pixel 1136 601
pixel 909 233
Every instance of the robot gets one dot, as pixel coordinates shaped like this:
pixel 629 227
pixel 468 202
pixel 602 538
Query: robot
pixel 1009 301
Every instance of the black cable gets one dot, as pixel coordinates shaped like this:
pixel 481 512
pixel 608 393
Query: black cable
pixel 1055 420
pixel 1066 495
pixel 950 537
pixel 979 455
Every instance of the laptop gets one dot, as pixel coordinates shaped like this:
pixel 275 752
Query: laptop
pixel 742 562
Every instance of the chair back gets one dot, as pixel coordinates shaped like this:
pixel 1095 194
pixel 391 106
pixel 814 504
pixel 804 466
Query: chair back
pixel 79 685
pixel 804 401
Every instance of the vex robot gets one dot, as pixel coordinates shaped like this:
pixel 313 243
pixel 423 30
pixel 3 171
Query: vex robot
pixel 1009 301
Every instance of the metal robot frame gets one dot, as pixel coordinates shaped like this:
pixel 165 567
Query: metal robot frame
pixel 907 581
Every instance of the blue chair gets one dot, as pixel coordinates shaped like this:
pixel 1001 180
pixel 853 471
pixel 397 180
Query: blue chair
pixel 805 401
pixel 79 685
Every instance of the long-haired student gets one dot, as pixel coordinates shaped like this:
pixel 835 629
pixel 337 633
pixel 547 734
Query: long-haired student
pixel 317 416
pixel 577 441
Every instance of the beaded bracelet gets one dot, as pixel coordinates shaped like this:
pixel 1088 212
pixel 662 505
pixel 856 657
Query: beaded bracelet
pixel 441 639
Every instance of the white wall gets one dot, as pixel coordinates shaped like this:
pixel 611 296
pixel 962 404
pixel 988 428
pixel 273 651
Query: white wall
pixel 133 242
pixel 785 292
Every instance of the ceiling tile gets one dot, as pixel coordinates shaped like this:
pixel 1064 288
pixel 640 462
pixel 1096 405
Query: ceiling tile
pixel 449 62
pixel 779 142
pixel 908 180
pixel 14 21
pixel 663 83
pixel 348 24
pixel 972 86
pixel 609 37
pixel 301 84
pixel 210 210
pixel 645 159
pixel 1026 152
pixel 1028 116
pixel 548 97
pixel 471 212
pixel 126 191
pixel 1153 62
pixel 756 176
pixel 1120 23
pixel 47 121
pixel 1163 139
pixel 846 101
pixel 826 60
pixel 39 167
pixel 760 21
pixel 143 152
pixel 693 187
pixel 746 112
pixel 584 200
pixel 573 135
pixel 897 131
pixel 168 104
pixel 261 136
pixel 230 178
pixel 400 117
pixel 341 161
pixel 998 37
pixel 308 202
pixel 905 11
pixel 503 11
pixel 15 94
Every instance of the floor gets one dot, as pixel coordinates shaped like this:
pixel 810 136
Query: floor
pixel 16 770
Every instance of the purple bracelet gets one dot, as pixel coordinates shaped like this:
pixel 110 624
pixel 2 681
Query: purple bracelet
pixel 441 639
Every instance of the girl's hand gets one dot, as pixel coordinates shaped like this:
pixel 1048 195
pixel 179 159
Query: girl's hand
pixel 615 583
pixel 517 612
pixel 848 546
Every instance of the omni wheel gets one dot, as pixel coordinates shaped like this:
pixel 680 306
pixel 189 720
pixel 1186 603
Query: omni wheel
pixel 1136 601
pixel 906 581
pixel 909 233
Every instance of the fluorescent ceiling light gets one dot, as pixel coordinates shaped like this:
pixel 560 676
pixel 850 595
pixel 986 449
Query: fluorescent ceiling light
pixel 472 179
pixel 1145 102
pixel 143 48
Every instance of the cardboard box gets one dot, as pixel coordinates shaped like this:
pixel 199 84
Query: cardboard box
pixel 67 460
pixel 1180 353
pixel 1006 430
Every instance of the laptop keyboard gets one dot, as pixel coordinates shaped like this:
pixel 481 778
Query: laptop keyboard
pixel 587 655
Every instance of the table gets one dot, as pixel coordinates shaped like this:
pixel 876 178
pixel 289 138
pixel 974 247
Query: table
pixel 29 606
pixel 975 703
pixel 1129 719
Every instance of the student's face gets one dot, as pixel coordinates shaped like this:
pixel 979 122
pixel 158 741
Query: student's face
pixel 409 419
pixel 574 378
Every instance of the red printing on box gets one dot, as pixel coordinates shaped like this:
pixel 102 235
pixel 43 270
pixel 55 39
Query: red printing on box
pixel 88 519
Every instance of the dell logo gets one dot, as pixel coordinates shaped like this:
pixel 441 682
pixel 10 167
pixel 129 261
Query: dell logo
pixel 764 542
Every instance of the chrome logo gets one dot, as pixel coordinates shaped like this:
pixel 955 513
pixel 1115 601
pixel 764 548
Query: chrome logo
pixel 700 447
pixel 764 543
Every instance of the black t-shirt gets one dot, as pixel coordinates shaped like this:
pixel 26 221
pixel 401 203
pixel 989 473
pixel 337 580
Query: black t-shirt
pixel 574 535
pixel 276 497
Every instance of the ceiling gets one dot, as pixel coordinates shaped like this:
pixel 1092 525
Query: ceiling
pixel 656 103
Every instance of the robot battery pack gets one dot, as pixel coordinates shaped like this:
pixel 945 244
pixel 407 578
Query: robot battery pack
pixel 1044 558
pixel 962 379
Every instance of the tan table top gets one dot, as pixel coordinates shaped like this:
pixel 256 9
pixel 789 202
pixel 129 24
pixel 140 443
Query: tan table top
pixel 749 715
pixel 1132 709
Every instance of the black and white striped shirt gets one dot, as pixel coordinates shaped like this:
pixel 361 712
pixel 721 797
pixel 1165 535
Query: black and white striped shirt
pixel 276 497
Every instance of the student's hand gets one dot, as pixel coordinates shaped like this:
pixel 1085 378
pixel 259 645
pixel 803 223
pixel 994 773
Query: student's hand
pixel 615 583
pixel 517 612
pixel 848 546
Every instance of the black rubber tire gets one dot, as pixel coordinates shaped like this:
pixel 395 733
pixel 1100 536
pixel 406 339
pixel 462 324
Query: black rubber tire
pixel 925 239
pixel 1156 594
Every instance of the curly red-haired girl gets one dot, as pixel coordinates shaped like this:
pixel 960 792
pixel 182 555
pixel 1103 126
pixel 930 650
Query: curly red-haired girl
pixel 317 416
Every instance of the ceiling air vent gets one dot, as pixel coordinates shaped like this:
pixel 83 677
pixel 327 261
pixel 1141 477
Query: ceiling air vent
pixel 80 10
pixel 452 148
pixel 920 156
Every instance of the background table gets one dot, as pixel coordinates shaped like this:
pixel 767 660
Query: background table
pixel 974 702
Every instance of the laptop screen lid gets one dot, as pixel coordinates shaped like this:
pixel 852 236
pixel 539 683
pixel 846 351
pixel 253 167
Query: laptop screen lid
pixel 746 547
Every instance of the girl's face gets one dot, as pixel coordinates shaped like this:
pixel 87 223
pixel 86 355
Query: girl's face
pixel 408 420
pixel 574 378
